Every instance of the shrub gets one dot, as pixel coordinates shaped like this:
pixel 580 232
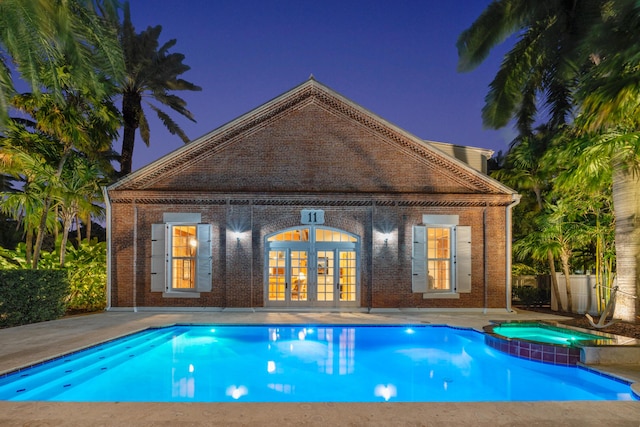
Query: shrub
pixel 29 296
pixel 86 269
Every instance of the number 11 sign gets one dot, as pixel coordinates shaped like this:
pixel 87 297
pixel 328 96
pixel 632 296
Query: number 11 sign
pixel 312 216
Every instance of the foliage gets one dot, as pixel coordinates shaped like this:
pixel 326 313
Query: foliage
pixel 56 43
pixel 29 296
pixel 521 269
pixel 575 68
pixel 58 153
pixel 85 270
pixel 87 276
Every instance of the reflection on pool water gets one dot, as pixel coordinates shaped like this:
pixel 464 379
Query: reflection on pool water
pixel 290 363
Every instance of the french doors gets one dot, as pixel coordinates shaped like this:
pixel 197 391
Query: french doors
pixel 313 267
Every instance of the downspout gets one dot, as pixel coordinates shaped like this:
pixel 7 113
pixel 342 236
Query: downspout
pixel 514 203
pixel 484 257
pixel 251 253
pixel 135 256
pixel 371 257
pixel 108 224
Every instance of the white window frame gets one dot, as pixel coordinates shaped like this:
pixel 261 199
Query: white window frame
pixel 450 260
pixel 460 257
pixel 162 260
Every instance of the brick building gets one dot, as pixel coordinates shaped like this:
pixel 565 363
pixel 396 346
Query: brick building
pixel 311 201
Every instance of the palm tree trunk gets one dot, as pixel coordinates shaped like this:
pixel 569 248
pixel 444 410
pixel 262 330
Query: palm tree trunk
pixel 55 229
pixel 41 232
pixel 552 264
pixel 88 228
pixel 564 257
pixel 65 237
pixel 131 115
pixel 626 203
pixel 554 281
pixel 78 230
pixel 45 212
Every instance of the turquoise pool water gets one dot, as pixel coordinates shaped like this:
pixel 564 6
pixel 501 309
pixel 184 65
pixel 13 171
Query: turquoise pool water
pixel 544 334
pixel 287 363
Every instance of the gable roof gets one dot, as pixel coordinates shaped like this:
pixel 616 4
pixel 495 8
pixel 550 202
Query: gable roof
pixel 310 92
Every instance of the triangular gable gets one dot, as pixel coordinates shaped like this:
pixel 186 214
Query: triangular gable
pixel 310 97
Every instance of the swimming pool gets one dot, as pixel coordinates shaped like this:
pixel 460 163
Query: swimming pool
pixel 286 363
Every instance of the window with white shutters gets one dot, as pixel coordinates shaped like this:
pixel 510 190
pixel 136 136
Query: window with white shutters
pixel 441 256
pixel 181 255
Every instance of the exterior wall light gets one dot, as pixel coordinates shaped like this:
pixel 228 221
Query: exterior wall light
pixel 386 236
pixel 237 235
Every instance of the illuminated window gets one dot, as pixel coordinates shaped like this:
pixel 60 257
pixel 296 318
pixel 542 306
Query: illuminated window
pixel 298 235
pixel 328 235
pixel 181 258
pixel 439 259
pixel 184 245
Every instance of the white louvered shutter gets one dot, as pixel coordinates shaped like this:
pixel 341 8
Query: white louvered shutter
pixel 203 262
pixel 463 259
pixel 158 258
pixel 419 259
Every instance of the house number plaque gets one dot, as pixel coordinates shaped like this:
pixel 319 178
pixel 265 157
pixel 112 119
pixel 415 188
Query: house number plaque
pixel 312 216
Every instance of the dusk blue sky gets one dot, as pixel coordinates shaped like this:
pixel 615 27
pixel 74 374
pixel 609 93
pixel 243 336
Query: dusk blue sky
pixel 395 58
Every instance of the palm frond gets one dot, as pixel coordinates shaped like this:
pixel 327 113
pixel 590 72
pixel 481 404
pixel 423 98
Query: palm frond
pixel 498 21
pixel 171 126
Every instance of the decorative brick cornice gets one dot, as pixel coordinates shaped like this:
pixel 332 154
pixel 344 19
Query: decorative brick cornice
pixel 311 200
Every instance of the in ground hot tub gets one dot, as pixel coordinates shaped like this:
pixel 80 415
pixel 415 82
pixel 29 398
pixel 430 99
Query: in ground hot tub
pixel 543 342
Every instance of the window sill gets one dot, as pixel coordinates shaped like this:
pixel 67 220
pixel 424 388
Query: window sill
pixel 440 295
pixel 181 294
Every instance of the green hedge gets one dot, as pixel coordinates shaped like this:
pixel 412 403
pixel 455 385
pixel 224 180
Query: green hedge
pixel 29 296
pixel 86 267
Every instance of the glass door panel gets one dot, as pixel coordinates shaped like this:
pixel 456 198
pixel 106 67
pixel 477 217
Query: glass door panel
pixel 299 275
pixel 326 276
pixel 277 275
pixel 347 278
pixel 311 267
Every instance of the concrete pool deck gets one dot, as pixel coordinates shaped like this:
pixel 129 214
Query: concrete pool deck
pixel 29 344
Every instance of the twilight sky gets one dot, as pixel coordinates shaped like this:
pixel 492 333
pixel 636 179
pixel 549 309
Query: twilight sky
pixel 396 58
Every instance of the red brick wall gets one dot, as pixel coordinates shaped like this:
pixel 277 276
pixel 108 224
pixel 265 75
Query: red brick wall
pixel 238 267
pixel 314 150
pixel 313 154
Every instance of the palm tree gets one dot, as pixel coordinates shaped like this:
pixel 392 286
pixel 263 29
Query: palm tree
pixel 525 172
pixel 542 65
pixel 562 50
pixel 79 185
pixel 56 43
pixel 611 117
pixel 57 131
pixel 10 229
pixel 27 205
pixel 153 72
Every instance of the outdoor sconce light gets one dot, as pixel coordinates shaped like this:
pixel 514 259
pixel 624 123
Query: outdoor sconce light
pixel 237 234
pixel 386 238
